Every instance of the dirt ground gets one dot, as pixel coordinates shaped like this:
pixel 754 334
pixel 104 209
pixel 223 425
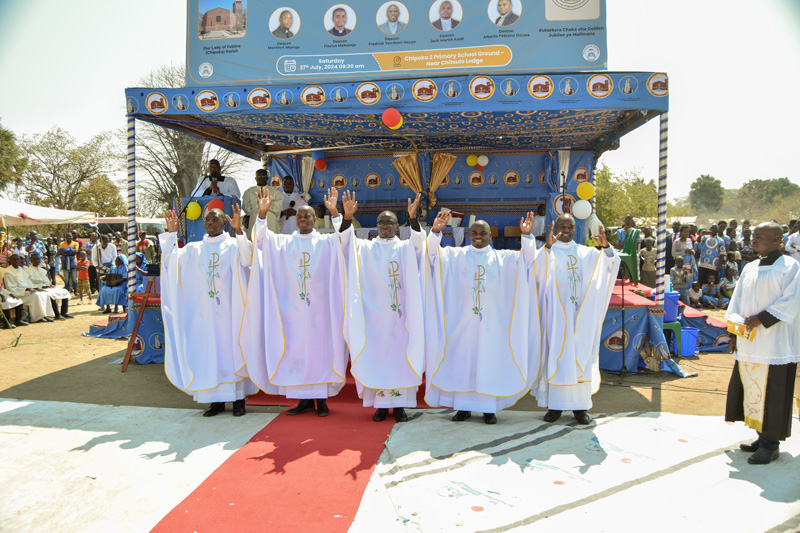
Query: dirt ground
pixel 55 362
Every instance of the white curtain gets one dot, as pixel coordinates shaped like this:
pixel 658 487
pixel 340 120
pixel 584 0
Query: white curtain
pixel 563 168
pixel 307 172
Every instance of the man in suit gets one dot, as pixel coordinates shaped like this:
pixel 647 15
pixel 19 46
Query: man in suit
pixel 339 18
pixel 282 31
pixel 507 17
pixel 445 22
pixel 392 25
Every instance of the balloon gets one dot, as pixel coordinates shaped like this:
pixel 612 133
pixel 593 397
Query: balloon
pixel 216 203
pixel 318 154
pixel 582 209
pixel 483 160
pixel 480 167
pixel 472 160
pixel 320 164
pixel 193 211
pixel 391 117
pixel 585 191
pixel 397 126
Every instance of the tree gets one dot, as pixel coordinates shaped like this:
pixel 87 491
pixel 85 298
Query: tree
pixel 765 192
pixel 100 195
pixel 59 169
pixel 618 196
pixel 170 161
pixel 706 194
pixel 11 161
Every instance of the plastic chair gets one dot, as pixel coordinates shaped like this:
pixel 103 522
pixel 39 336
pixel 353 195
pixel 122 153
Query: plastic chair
pixel 511 232
pixel 495 233
pixel 675 328
pixel 630 256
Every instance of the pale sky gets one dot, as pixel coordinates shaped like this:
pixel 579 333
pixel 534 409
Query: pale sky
pixel 733 66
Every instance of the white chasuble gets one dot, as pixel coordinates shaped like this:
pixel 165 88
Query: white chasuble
pixel 203 286
pixel 292 333
pixel 775 289
pixel 17 283
pixel 579 284
pixel 385 317
pixel 482 315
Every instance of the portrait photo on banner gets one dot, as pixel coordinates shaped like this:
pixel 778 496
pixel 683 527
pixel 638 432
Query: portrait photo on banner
pixel 340 20
pixel 284 23
pixel 504 12
pixel 446 15
pixel 392 18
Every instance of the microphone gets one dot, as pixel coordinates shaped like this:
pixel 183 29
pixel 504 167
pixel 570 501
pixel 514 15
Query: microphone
pixel 291 204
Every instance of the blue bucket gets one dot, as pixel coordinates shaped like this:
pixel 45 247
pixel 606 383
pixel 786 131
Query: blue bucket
pixel 688 342
pixel 671 306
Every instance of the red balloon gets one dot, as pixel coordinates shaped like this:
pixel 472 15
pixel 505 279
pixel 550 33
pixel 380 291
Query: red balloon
pixel 215 204
pixel 391 117
pixel 320 164
pixel 480 167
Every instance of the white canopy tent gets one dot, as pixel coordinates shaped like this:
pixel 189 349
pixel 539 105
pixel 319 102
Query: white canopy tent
pixel 18 214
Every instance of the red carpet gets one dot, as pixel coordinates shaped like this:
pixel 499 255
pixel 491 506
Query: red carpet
pixel 347 394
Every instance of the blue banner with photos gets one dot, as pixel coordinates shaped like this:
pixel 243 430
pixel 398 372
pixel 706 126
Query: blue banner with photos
pixel 267 42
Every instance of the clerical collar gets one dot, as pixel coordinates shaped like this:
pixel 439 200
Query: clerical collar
pixel 481 250
pixel 563 244
pixel 218 238
pixel 770 258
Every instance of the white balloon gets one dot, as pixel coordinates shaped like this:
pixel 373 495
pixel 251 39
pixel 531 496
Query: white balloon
pixel 483 160
pixel 582 209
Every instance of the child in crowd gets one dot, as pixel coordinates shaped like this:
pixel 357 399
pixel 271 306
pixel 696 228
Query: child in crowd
pixel 680 280
pixel 728 284
pixel 734 259
pixel 83 276
pixel 711 295
pixel 695 294
pixel 648 256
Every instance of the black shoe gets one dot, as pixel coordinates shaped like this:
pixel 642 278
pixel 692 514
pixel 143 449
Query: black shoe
pixel 380 415
pixel 322 408
pixel 302 407
pixel 552 415
pixel 21 323
pixel 489 418
pixel 106 311
pixel 9 326
pixel 61 318
pixel 763 456
pixel 238 408
pixel 400 415
pixel 214 409
pixel 461 416
pixel 47 319
pixel 753 447
pixel 65 315
pixel 582 417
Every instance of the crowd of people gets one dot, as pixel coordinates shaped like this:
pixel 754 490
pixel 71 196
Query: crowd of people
pixel 86 268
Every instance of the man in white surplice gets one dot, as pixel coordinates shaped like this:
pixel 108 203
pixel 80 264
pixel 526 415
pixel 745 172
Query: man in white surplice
pixel 17 283
pixel 292 202
pixel 484 302
pixel 578 289
pixel 385 310
pixel 292 337
pixel 40 280
pixel 203 286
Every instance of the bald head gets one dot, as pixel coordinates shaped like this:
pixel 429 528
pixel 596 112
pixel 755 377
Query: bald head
pixel 767 238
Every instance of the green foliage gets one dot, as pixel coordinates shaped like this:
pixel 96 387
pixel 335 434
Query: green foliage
pixel 11 160
pixel 706 194
pixel 768 191
pixel 102 196
pixel 618 196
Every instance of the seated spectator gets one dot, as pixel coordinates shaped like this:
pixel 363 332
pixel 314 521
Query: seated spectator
pixel 727 285
pixel 695 294
pixel 711 295
pixel 37 276
pixel 648 256
pixel 113 289
pixel 680 280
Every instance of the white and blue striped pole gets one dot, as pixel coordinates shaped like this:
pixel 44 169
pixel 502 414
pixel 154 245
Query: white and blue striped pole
pixel 131 204
pixel 661 231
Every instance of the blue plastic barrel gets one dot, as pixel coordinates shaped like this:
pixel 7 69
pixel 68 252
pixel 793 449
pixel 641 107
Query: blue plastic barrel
pixel 689 341
pixel 671 307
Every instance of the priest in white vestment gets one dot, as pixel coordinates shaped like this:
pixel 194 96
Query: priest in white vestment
pixel 215 184
pixel 766 299
pixel 17 283
pixel 292 334
pixel 7 303
pixel 203 286
pixel 39 278
pixel 579 284
pixel 292 201
pixel 483 306
pixel 385 310
pixel 250 204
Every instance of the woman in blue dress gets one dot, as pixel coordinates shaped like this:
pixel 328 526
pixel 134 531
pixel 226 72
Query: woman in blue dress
pixel 114 291
pixel 141 271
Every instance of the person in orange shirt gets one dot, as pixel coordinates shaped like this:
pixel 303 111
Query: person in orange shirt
pixel 83 265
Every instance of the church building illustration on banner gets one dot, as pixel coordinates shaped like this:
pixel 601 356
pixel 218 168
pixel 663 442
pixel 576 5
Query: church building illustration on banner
pixel 222 23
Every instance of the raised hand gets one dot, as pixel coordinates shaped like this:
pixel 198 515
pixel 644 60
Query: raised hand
pixel 441 221
pixel 526 223
pixel 331 199
pixel 412 207
pixel 264 202
pixel 350 205
pixel 172 221
pixel 551 238
pixel 215 188
pixel 600 238
pixel 236 221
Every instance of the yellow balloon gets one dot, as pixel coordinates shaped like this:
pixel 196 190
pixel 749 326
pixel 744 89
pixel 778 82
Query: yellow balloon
pixel 472 160
pixel 585 191
pixel 398 125
pixel 193 211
